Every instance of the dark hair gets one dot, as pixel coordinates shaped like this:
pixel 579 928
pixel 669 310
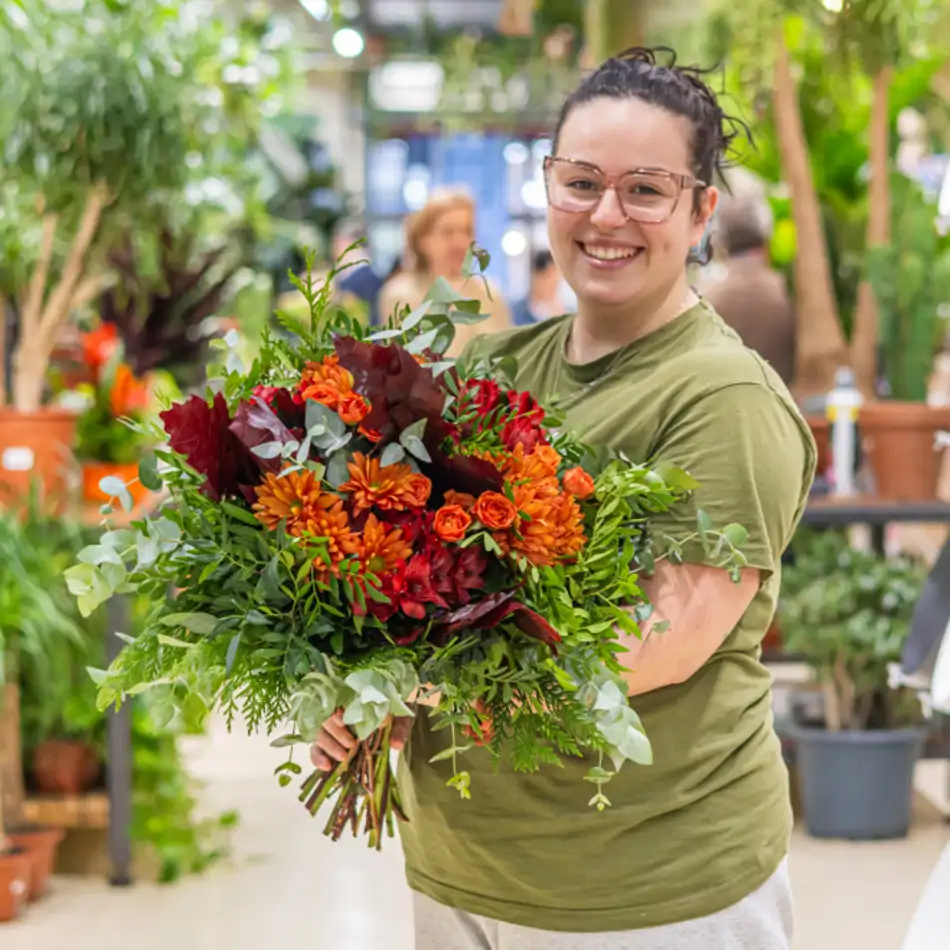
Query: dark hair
pixel 682 90
pixel 740 237
pixel 541 261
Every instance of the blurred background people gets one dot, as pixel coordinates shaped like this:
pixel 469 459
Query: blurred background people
pixel 437 241
pixel 752 297
pixel 545 298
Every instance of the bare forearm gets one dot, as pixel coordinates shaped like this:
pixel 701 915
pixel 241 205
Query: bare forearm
pixel 696 608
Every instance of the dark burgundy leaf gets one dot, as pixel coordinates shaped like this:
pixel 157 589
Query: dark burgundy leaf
pixel 202 434
pixel 536 626
pixel 256 423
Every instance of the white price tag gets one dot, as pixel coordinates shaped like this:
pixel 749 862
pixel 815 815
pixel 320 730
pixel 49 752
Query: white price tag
pixel 17 458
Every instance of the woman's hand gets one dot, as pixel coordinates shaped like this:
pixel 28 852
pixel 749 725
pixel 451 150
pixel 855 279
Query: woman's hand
pixel 336 743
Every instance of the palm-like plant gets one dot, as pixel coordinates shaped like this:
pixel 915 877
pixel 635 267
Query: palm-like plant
pixel 159 305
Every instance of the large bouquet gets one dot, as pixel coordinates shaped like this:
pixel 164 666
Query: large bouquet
pixel 355 523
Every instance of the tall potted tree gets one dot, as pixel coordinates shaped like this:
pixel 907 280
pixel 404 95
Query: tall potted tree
pixel 911 282
pixel 95 126
pixel 848 613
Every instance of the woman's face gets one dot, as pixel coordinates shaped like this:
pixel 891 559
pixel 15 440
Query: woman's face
pixel 446 245
pixel 607 259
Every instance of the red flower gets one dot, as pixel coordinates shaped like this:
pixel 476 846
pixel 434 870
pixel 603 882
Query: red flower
pixel 525 405
pixel 523 431
pixel 470 567
pixel 413 523
pixel 202 434
pixel 442 566
pixel 288 405
pixel 418 590
pixel 486 393
pixel 99 345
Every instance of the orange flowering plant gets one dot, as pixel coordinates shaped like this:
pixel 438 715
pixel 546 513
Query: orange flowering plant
pixel 355 519
pixel 112 428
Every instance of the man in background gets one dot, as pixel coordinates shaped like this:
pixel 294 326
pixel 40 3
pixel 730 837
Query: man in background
pixel 753 298
pixel 544 298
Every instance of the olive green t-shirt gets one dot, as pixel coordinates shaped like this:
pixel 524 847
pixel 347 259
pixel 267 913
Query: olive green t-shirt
pixel 709 821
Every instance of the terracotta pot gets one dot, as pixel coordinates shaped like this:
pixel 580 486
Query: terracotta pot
pixel 14 883
pixel 821 431
pixel 94 472
pixel 900 441
pixel 40 844
pixel 63 767
pixel 35 445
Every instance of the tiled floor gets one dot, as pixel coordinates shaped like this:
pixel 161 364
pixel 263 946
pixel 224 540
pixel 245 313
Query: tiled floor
pixel 288 887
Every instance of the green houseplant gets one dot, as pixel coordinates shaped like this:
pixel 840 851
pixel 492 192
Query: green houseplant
pixel 51 702
pixel 848 613
pixel 111 80
pixel 911 282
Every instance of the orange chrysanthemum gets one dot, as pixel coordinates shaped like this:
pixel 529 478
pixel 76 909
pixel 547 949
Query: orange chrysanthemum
pixel 291 499
pixel 381 548
pixel 297 500
pixel 387 487
pixel 553 530
pixel 540 463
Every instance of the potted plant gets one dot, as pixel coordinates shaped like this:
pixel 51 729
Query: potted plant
pixel 847 612
pixel 121 96
pixel 112 433
pixel 911 280
pixel 15 865
pixel 41 636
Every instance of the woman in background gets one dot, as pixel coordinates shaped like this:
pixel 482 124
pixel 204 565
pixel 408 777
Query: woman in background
pixel 437 241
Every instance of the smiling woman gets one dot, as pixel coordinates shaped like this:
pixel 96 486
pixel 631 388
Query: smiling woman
pixel 692 855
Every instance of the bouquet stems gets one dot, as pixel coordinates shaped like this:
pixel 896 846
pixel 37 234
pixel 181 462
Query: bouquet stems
pixel 362 789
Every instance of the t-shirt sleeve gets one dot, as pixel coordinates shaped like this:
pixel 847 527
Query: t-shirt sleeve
pixel 754 461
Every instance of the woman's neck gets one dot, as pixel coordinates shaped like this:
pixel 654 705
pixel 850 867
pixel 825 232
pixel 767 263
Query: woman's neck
pixel 597 332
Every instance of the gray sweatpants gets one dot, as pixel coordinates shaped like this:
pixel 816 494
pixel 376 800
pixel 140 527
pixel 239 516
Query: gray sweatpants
pixel 761 921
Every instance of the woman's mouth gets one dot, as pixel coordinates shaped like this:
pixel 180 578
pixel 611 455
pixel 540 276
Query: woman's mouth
pixel 608 255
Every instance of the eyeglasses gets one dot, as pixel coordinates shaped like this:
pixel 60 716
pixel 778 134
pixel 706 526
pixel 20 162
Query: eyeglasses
pixel 646 195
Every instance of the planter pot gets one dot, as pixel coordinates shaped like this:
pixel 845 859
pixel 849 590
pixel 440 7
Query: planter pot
pixel 900 441
pixel 94 472
pixel 40 844
pixel 821 432
pixel 62 767
pixel 857 785
pixel 14 883
pixel 35 445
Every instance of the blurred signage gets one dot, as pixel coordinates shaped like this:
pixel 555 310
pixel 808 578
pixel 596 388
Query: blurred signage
pixel 406 86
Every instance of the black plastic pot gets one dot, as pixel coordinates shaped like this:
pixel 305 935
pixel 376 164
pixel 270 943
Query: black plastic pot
pixel 857 785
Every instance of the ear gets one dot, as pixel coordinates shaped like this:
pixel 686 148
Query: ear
pixel 707 207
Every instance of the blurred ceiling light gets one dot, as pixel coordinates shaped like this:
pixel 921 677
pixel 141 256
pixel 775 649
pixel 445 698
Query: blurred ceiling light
pixel 516 153
pixel 514 243
pixel 348 43
pixel 415 193
pixel 318 9
pixel 532 194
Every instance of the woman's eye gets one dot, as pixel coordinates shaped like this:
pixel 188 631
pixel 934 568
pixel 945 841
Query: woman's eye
pixel 583 184
pixel 646 190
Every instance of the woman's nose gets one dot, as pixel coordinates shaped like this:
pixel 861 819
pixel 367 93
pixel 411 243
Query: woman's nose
pixel 609 214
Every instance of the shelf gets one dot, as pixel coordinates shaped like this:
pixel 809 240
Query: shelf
pixel 873 510
pixel 89 811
